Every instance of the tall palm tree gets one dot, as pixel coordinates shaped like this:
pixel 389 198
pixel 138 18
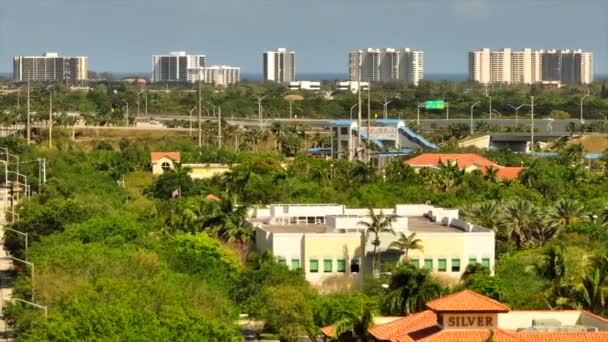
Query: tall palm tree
pixel 485 214
pixel 517 217
pixel 407 243
pixel 378 224
pixel 410 287
pixel 566 212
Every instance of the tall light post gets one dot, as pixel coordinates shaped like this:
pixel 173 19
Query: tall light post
pixel 490 106
pixel 42 307
pixel 200 106
pixel 28 128
pixel 473 107
pixel 604 115
pixel 532 124
pixel 582 106
pixel 517 111
pixel 260 115
pixel 385 104
pixel 50 115
pixel 351 111
pixel 32 267
pixel 138 103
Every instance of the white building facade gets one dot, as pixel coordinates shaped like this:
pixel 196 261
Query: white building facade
pixel 280 65
pixel 384 65
pixel 529 66
pixel 50 67
pixel 221 75
pixel 328 243
pixel 305 85
pixel 174 66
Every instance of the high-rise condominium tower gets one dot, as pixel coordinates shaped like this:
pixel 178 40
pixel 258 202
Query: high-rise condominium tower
pixel 50 67
pixel 529 66
pixel 280 65
pixel 382 65
pixel 221 75
pixel 174 66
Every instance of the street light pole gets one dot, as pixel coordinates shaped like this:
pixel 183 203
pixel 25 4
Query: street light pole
pixel 532 124
pixel 50 119
pixel 33 279
pixel 127 113
pixel 200 105
pixel 260 117
pixel 22 234
pixel 351 111
pixel 190 120
pixel 472 107
pixel 28 128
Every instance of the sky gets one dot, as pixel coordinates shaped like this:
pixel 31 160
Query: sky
pixel 122 35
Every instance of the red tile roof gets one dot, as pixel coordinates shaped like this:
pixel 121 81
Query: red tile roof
pixel 505 172
pixel 600 336
pixel 473 335
pixel 409 328
pixel 466 301
pixel 463 160
pixel 175 156
pixel 328 330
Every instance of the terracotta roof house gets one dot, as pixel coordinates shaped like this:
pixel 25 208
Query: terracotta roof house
pixel 164 161
pixel 467 316
pixel 465 161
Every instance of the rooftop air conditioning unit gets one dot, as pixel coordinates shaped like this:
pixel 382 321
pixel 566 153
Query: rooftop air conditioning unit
pixel 546 322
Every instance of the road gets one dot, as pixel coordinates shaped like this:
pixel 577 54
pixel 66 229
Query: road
pixel 6 279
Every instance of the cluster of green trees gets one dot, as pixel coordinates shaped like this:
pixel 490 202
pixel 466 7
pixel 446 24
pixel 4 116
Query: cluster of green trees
pixel 106 102
pixel 119 255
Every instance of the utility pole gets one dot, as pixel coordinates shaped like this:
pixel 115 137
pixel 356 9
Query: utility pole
pixel 472 123
pixel 200 105
pixel 260 114
pixel 490 107
pixel 28 128
pixel 582 105
pixel 369 115
pixel 447 111
pixel 532 124
pixel 127 114
pixel 359 114
pixel 219 126
pixel 50 119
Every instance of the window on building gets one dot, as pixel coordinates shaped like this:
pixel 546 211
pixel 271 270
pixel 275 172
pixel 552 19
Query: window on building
pixel 472 261
pixel 281 260
pixel 343 130
pixel 165 166
pixel 442 265
pixel 428 264
pixel 313 266
pixel 341 265
pixel 485 262
pixel 354 266
pixel 455 265
pixel 295 264
pixel 327 265
pixel 415 262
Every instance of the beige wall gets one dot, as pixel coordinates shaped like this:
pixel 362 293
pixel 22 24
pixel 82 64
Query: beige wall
pixel 204 171
pixel 156 166
pixel 514 320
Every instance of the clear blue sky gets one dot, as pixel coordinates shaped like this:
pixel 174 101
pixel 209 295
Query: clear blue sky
pixel 121 35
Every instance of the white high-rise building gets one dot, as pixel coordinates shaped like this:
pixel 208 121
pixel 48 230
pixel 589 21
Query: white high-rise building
pixel 529 66
pixel 50 67
pixel 174 66
pixel 221 75
pixel 383 65
pixel 280 65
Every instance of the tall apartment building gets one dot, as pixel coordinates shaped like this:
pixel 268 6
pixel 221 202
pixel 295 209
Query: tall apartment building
pixel 50 67
pixel 567 66
pixel 529 66
pixel 221 75
pixel 174 66
pixel 382 65
pixel 280 65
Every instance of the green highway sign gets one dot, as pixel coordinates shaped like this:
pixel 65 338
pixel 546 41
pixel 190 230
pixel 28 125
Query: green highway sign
pixel 440 104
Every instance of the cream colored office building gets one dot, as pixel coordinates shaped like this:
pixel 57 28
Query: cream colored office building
pixel 329 245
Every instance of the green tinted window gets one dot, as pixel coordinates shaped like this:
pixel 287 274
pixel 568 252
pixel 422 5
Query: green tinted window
pixel 327 265
pixel 455 265
pixel 472 261
pixel 341 265
pixel 428 264
pixel 442 265
pixel 415 262
pixel 295 264
pixel 313 266
pixel 485 262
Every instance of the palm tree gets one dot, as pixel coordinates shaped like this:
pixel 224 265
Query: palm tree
pixel 407 243
pixel 409 289
pixel 491 174
pixel 378 224
pixel 485 214
pixel 566 212
pixel 352 327
pixel 517 217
